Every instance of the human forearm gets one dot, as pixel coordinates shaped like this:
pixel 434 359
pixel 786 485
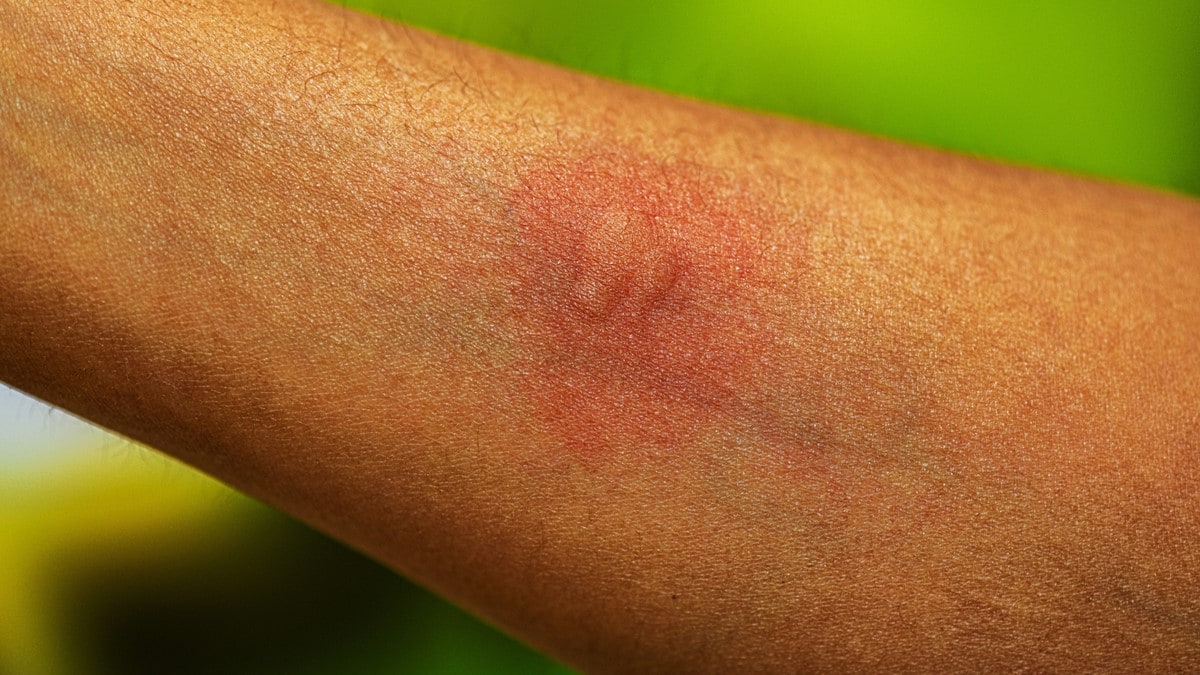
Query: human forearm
pixel 653 384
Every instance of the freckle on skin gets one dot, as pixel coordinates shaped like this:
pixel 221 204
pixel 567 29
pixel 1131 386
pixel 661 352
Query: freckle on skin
pixel 638 290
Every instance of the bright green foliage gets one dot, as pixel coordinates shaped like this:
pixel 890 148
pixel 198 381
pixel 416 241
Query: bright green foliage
pixel 1104 88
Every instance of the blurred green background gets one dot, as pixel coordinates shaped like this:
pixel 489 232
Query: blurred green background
pixel 116 560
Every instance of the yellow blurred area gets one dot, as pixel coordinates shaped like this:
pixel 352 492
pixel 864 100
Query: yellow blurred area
pixel 105 513
pixel 118 560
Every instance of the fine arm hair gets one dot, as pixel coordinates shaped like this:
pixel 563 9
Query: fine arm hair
pixel 653 384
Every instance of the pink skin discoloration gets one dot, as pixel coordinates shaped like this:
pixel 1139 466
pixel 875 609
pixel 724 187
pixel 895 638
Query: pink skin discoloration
pixel 639 289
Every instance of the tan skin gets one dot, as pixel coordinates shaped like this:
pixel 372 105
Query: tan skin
pixel 655 385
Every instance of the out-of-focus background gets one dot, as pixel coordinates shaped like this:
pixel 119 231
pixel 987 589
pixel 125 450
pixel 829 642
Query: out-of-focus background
pixel 116 560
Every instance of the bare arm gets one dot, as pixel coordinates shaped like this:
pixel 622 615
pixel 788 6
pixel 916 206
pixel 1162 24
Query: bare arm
pixel 656 385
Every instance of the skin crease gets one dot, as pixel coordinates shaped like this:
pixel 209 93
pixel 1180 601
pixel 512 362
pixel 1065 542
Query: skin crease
pixel 655 385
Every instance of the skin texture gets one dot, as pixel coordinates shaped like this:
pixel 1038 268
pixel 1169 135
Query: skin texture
pixel 640 294
pixel 655 385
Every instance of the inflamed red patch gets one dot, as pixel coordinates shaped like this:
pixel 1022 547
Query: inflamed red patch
pixel 639 288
